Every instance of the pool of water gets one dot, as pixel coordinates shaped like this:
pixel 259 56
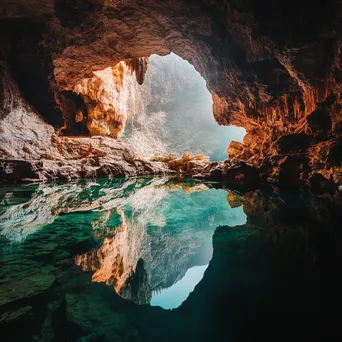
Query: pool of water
pixel 165 260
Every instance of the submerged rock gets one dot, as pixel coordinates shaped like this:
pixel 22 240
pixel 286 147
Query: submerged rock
pixel 25 287
pixel 12 316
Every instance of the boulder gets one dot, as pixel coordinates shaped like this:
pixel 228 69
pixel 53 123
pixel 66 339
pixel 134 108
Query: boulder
pixel 234 149
pixel 22 288
pixel 215 173
pixel 293 170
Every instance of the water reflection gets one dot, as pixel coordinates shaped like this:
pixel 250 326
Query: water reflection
pixel 176 294
pixel 275 277
pixel 154 237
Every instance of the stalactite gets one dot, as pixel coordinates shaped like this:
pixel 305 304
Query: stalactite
pixel 139 67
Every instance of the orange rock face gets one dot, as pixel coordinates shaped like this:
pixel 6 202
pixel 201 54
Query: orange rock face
pixel 106 96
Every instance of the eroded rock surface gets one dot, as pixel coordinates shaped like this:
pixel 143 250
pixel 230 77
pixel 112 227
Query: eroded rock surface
pixel 71 158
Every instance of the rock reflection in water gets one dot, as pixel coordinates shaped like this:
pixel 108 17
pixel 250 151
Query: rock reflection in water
pixel 164 230
pixel 149 232
pixel 48 201
pixel 282 267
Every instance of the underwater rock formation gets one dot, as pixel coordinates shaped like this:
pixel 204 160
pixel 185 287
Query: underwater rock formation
pixel 267 67
pixel 148 232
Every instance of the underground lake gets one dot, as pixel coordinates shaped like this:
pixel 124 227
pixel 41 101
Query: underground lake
pixel 170 171
pixel 164 259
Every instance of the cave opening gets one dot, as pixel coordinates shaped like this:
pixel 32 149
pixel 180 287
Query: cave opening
pixel 172 112
pixel 158 105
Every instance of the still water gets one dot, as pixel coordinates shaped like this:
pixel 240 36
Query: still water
pixel 164 260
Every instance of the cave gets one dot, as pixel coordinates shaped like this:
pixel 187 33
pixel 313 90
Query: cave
pixel 282 88
pixel 170 170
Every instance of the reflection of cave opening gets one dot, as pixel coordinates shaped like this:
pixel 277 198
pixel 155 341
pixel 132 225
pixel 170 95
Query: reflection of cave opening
pixel 156 243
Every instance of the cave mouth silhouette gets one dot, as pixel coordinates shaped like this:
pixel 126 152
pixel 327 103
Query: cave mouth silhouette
pixel 160 110
pixel 172 112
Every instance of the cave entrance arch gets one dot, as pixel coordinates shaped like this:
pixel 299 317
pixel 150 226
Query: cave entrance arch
pixel 159 105
pixel 172 112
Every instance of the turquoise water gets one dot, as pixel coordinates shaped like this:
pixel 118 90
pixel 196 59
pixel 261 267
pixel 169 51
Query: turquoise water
pixel 164 260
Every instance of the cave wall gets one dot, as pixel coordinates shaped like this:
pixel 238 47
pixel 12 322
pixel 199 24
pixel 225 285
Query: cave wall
pixel 106 96
pixel 272 67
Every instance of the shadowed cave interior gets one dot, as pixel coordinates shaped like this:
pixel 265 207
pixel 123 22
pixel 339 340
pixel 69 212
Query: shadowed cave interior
pixel 170 171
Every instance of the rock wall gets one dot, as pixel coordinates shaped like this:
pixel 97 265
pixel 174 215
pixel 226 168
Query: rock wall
pixel 30 149
pixel 106 96
pixel 272 67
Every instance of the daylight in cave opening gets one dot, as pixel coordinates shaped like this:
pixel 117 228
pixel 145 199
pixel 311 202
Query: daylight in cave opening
pixel 171 112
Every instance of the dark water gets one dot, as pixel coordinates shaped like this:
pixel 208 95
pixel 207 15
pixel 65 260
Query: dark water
pixel 107 260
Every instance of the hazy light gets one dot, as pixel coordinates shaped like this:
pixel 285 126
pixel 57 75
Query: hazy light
pixel 172 112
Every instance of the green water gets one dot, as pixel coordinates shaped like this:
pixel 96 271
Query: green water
pixel 106 260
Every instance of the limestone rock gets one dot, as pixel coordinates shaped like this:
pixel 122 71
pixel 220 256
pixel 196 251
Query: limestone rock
pixel 296 142
pixel 335 153
pixel 242 174
pixel 72 158
pixel 320 122
pixel 234 149
pixel 293 170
